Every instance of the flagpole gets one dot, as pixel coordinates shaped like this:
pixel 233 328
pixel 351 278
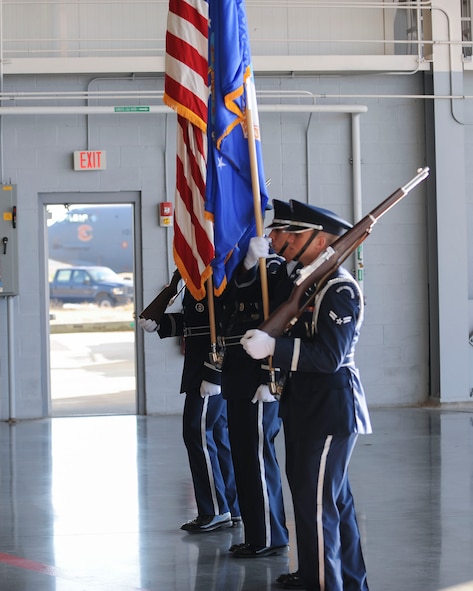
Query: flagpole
pixel 256 194
pixel 212 323
pixel 251 102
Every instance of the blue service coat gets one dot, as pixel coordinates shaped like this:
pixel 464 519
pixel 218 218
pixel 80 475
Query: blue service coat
pixel 324 394
pixel 244 310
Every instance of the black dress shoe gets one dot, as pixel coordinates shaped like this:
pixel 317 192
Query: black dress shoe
pixel 290 581
pixel 251 551
pixel 206 523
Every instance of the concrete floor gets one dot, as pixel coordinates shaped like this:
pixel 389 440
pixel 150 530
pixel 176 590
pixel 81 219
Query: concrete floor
pixel 95 504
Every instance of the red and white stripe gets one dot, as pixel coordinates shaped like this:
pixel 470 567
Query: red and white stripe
pixel 186 91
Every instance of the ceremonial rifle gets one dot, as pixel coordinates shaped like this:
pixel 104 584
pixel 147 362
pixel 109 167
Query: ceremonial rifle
pixel 165 297
pixel 317 272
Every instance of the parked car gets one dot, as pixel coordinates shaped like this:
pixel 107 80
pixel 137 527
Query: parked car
pixel 99 285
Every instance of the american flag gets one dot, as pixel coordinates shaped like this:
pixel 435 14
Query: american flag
pixel 186 91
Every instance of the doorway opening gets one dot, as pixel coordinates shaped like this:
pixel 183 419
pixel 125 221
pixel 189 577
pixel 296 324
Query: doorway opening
pixel 90 263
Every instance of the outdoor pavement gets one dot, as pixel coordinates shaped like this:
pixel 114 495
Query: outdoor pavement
pixel 92 361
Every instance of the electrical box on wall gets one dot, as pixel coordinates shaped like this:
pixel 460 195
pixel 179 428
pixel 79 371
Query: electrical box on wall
pixel 8 241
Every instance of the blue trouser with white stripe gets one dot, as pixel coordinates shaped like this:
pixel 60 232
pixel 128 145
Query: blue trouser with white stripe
pixel 252 429
pixel 205 433
pixel 328 539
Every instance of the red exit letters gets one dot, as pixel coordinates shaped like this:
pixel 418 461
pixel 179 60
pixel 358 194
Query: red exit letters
pixel 90 160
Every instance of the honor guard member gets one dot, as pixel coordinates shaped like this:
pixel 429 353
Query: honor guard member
pixel 204 425
pixel 253 420
pixel 281 220
pixel 279 240
pixel 324 410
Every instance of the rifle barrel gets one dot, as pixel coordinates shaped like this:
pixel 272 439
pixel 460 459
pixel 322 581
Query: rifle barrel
pixel 382 208
pixel 318 271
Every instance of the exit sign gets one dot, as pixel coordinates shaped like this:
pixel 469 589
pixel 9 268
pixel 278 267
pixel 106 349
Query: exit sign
pixel 90 160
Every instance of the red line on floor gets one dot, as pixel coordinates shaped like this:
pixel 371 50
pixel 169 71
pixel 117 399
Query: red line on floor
pixel 24 563
pixel 52 571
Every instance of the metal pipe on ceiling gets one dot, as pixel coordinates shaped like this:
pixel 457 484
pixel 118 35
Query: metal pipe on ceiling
pixel 146 109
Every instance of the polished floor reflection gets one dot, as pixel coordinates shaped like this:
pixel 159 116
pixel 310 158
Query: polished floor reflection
pixel 95 504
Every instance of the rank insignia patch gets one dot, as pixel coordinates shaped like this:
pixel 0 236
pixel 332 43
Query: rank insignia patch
pixel 339 319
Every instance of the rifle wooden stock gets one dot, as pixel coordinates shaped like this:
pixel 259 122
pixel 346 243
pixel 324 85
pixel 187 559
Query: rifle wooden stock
pixel 155 310
pixel 317 272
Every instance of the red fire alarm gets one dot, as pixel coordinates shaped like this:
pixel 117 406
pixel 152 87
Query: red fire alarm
pixel 165 213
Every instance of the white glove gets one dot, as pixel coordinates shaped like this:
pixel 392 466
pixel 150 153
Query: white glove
pixel 257 249
pixel 258 344
pixel 148 324
pixel 209 389
pixel 263 394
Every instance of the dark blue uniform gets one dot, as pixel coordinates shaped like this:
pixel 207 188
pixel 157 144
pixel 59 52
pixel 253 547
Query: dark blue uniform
pixel 253 426
pixel 205 430
pixel 323 409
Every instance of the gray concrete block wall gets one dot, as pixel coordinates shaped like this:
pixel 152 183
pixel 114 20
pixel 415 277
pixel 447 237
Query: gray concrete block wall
pixel 393 350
